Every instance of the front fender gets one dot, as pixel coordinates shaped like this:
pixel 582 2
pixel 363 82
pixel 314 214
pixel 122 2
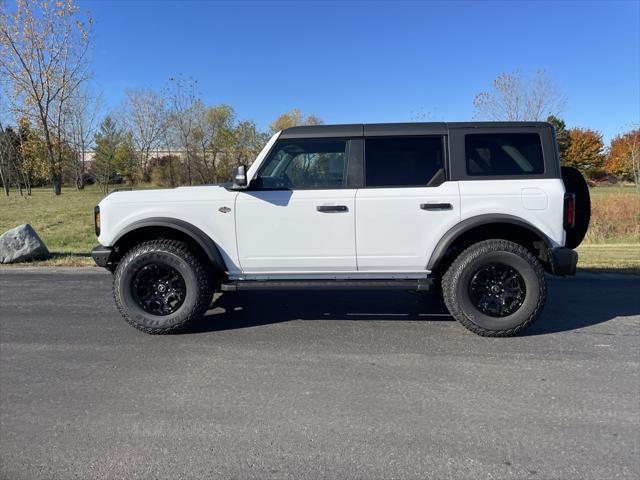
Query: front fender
pixel 202 239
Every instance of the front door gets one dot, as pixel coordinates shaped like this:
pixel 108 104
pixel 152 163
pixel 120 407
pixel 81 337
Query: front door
pixel 298 215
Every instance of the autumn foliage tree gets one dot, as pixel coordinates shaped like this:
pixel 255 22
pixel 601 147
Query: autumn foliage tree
pixel 623 159
pixel 293 118
pixel 43 56
pixel 248 141
pixel 585 152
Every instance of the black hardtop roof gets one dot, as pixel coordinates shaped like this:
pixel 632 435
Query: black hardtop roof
pixel 384 129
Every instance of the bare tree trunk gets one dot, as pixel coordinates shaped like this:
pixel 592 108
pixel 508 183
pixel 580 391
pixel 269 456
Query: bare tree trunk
pixel 4 152
pixel 57 183
pixel 635 162
pixel 172 178
pixel 83 164
pixel 214 167
pixel 188 167
pixel 56 179
pixel 5 183
pixel 204 164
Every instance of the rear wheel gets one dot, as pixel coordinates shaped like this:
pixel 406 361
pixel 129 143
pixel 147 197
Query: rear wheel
pixel 495 288
pixel 161 287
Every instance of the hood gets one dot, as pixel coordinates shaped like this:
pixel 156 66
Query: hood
pixel 168 195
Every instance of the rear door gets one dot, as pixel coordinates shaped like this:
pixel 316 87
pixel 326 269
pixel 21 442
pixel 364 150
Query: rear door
pixel 407 203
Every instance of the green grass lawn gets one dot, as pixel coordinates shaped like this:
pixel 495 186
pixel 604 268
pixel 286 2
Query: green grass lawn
pixel 65 223
pixel 608 190
pixel 613 257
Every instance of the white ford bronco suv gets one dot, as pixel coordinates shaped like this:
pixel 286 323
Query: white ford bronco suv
pixel 480 210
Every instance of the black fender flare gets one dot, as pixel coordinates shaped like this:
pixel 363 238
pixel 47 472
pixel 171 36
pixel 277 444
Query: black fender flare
pixel 486 219
pixel 202 239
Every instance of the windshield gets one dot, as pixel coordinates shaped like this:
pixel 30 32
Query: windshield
pixel 260 158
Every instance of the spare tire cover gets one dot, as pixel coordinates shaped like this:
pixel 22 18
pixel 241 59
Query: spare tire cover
pixel 574 183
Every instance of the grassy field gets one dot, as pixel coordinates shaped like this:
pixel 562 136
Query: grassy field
pixel 65 223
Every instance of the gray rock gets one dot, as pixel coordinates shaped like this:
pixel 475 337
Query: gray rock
pixel 20 244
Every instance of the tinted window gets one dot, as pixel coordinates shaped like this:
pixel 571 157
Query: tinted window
pixel 402 161
pixel 299 164
pixel 504 154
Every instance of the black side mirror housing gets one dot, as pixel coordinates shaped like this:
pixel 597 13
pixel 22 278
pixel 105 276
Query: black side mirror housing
pixel 240 178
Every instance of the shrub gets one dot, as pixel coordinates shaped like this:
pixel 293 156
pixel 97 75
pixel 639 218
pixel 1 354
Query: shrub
pixel 614 218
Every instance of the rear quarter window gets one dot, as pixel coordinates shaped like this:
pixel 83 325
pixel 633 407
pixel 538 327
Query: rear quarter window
pixel 496 154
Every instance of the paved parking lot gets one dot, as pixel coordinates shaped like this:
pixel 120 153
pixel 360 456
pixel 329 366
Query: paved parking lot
pixel 316 385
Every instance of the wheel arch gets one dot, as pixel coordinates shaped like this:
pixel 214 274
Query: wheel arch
pixel 484 227
pixel 173 228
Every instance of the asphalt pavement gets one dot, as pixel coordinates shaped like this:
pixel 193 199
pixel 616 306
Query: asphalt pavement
pixel 316 385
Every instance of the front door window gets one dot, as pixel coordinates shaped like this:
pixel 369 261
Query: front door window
pixel 305 164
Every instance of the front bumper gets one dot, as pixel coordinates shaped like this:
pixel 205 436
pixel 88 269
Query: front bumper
pixel 101 255
pixel 563 261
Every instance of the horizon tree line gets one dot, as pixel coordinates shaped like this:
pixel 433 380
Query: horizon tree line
pixel 44 85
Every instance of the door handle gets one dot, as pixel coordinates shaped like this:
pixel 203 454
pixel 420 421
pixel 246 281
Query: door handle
pixel 332 208
pixel 436 206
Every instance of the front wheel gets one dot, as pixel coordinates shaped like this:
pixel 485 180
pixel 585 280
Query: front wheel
pixel 160 287
pixel 495 288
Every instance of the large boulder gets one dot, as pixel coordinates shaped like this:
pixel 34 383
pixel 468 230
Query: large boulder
pixel 21 244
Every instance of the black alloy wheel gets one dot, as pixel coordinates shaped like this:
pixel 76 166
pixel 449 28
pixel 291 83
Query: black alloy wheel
pixel 497 290
pixel 159 289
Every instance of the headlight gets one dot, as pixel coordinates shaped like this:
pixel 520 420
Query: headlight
pixel 96 219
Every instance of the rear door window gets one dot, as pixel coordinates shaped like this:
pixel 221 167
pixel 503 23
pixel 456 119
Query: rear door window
pixel 403 161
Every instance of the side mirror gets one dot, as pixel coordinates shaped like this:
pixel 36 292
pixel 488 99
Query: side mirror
pixel 240 178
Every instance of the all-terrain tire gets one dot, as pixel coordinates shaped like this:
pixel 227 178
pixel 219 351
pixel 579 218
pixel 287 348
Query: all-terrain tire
pixel 197 280
pixel 457 281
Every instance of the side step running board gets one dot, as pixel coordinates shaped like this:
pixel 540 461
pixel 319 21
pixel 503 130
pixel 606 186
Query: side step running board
pixel 238 285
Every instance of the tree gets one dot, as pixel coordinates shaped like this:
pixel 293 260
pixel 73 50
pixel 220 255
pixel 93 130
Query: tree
pixel 623 159
pixel 214 136
pixel 163 171
pixel 168 165
pixel 106 141
pixel 248 142
pixel 562 137
pixel 182 99
pixel 146 117
pixel 32 157
pixel 9 153
pixel 586 152
pixel 125 162
pixel 293 118
pixel 82 115
pixel 43 54
pixel 519 97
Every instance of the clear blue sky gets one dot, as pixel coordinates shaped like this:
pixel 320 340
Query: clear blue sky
pixel 373 61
